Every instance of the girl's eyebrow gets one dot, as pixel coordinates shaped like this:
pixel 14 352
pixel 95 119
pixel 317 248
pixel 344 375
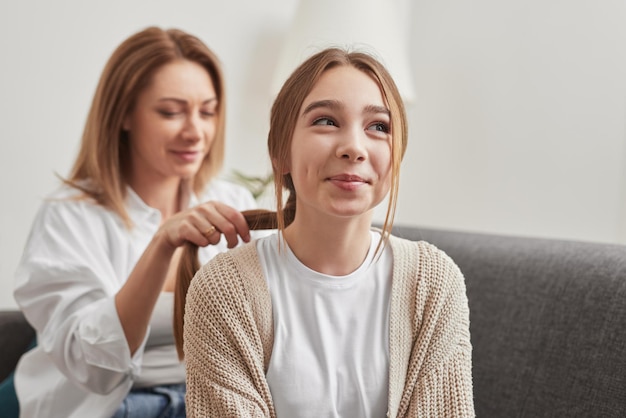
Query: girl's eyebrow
pixel 377 109
pixel 332 104
pixel 336 105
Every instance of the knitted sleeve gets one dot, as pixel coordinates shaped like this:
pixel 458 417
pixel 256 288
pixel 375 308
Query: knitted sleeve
pixel 439 376
pixel 227 338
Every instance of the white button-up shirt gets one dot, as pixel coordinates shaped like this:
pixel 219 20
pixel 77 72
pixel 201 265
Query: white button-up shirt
pixel 77 256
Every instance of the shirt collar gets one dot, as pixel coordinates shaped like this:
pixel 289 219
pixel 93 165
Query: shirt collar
pixel 140 212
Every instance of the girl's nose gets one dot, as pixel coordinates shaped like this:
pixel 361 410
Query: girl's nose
pixel 351 146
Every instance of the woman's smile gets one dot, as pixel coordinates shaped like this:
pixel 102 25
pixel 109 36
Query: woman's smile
pixel 187 156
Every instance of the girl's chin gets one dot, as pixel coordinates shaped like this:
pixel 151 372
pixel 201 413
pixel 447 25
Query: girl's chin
pixel 352 211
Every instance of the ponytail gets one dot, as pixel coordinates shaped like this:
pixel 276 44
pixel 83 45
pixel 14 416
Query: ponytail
pixel 257 219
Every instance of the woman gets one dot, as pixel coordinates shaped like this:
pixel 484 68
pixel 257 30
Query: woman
pixel 98 271
pixel 331 317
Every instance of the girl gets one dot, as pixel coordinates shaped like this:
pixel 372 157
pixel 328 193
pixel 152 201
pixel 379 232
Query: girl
pixel 331 317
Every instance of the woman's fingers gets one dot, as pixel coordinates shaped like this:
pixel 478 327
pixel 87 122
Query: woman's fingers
pixel 205 224
pixel 212 230
pixel 227 221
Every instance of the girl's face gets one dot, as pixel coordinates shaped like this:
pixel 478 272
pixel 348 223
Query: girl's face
pixel 341 147
pixel 172 125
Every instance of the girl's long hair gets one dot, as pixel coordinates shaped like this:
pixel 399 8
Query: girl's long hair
pixel 189 264
pixel 283 119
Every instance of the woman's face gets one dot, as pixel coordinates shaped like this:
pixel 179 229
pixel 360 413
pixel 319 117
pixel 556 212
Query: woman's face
pixel 172 125
pixel 341 147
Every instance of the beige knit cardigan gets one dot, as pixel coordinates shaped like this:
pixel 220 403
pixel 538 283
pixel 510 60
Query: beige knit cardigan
pixel 228 336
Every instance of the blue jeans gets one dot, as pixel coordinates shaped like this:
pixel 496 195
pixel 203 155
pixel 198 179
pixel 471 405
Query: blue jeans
pixel 167 401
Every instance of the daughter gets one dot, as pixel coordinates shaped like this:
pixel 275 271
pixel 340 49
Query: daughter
pixel 330 317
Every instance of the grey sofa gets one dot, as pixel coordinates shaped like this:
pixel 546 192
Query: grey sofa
pixel 548 323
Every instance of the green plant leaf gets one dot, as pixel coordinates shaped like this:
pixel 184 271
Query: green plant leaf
pixel 255 184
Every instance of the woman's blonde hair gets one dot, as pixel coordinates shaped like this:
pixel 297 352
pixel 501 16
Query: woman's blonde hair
pixel 103 159
pixel 284 116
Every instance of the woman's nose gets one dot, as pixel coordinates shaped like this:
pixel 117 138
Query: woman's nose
pixel 192 130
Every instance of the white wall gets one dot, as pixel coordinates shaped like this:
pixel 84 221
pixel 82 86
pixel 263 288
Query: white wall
pixel 519 126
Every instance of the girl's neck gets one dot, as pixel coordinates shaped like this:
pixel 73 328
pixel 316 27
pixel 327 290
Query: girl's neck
pixel 335 247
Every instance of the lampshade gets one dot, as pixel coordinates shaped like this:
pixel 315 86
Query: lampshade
pixel 372 26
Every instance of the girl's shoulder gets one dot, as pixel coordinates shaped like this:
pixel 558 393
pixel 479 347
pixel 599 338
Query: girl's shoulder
pixel 229 267
pixel 233 281
pixel 422 249
pixel 428 265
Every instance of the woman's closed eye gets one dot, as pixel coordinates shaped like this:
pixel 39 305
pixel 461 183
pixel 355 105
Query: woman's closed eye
pixel 169 113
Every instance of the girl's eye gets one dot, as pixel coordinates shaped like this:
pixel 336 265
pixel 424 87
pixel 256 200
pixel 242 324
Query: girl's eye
pixel 324 121
pixel 379 127
pixel 207 114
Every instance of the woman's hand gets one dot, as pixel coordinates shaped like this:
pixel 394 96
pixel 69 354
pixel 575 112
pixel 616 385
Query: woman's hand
pixel 156 269
pixel 204 224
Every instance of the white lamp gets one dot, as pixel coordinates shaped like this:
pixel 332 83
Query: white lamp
pixel 372 26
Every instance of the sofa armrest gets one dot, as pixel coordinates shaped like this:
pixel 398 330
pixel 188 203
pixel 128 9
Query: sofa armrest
pixel 16 335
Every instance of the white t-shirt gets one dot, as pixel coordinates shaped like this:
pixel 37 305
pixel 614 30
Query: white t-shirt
pixel 331 335
pixel 76 258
